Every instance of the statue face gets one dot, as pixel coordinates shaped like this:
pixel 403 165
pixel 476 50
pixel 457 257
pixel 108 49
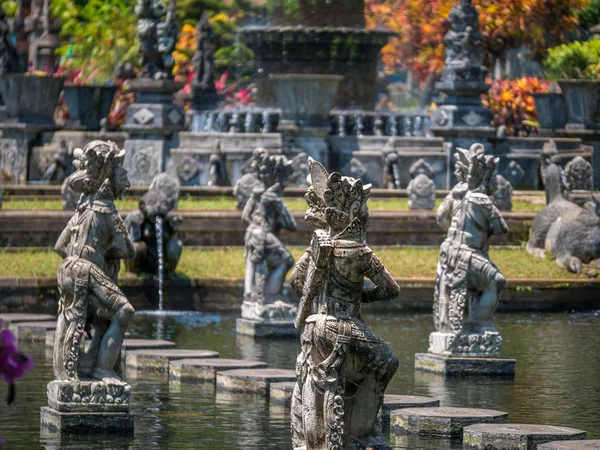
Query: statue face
pixel 121 182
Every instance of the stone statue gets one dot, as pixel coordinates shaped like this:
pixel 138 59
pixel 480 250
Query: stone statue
pixel 502 194
pixel 9 62
pixel 464 45
pixel 575 241
pixel 61 164
pixel 300 175
pixel 392 171
pixel 204 58
pixel 549 156
pixel 267 258
pixel 343 368
pixel 355 168
pixel 250 179
pixel 557 208
pixel 92 245
pixel 152 220
pixel 466 277
pixel 157 39
pixel 421 189
pixel 579 175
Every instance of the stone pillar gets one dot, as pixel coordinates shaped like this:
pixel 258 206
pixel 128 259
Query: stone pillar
pixel 152 123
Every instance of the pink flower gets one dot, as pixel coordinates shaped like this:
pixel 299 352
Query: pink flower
pixel 222 83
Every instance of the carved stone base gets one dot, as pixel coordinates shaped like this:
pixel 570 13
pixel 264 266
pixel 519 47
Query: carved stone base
pixel 88 396
pixel 376 442
pixel 274 310
pixel 464 365
pixel 80 422
pixel 488 344
pixel 266 328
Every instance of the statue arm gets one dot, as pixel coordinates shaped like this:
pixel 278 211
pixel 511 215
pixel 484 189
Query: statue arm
pixel 299 273
pixel 444 212
pixel 248 210
pixel 123 247
pixel 385 288
pixel 63 241
pixel 286 220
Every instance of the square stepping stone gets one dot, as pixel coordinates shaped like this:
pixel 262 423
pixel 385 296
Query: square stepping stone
pixel 514 436
pixel 10 318
pixel 158 359
pixel 392 402
pixel 32 331
pixel 464 365
pixel 282 392
pixel 253 380
pixel 441 421
pixel 266 328
pixel 571 445
pixel 144 344
pixel 206 369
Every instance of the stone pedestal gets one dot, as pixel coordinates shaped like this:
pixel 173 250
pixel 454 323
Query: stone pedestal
pixel 466 344
pixel 571 445
pixel 266 328
pixel 464 365
pixel 205 370
pixel 151 123
pixel 87 405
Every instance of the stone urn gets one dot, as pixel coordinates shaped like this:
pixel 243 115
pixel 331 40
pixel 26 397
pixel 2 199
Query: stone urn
pixel 305 99
pixel 88 105
pixel 582 99
pixel 551 110
pixel 31 99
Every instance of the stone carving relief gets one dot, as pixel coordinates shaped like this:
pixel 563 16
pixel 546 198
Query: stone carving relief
pixel 144 164
pixel 188 168
pixel 13 160
pixel 466 279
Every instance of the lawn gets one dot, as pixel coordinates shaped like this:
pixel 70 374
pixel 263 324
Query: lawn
pixel 228 204
pixel 228 263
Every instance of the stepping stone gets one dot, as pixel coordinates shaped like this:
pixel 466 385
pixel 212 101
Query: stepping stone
pixel 571 445
pixel 253 380
pixel 393 402
pixel 282 392
pixel 32 331
pixel 158 359
pixel 206 369
pixel 144 344
pixel 515 436
pixel 442 421
pixel 12 318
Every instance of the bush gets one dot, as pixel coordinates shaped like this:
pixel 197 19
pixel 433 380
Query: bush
pixel 577 60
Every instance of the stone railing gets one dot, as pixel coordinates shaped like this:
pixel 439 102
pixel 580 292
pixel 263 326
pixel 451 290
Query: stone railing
pixel 343 122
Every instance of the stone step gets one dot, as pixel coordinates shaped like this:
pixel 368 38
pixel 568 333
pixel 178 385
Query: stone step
pixel 464 365
pixel 206 369
pixel 158 360
pixel 282 392
pixel 571 445
pixel 256 381
pixel 515 436
pixel 32 331
pixel 392 402
pixel 144 344
pixel 11 318
pixel 441 421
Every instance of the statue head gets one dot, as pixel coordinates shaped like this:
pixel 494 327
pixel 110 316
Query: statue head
pixel 99 165
pixel 476 169
pixel 275 169
pixel 336 201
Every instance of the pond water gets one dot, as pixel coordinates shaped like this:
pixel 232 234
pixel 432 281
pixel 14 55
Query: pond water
pixel 557 383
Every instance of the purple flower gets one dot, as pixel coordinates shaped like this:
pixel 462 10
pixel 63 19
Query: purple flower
pixel 12 363
pixel 1 440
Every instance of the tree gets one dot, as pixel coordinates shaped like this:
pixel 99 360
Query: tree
pixel 504 24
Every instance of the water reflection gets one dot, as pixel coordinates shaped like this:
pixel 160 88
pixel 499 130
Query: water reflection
pixel 556 382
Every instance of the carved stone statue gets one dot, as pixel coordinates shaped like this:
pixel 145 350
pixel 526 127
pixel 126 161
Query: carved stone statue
pixel 61 164
pixel 9 62
pixel 558 207
pixel 502 194
pixel 575 240
pixel 579 175
pixel 355 168
pixel 152 220
pixel 250 179
pixel 300 175
pixel 157 39
pixel 343 368
pixel 421 189
pixel 466 277
pixel 217 170
pixel 204 58
pixel 392 171
pixel 464 45
pixel 548 156
pixel 92 245
pixel 267 258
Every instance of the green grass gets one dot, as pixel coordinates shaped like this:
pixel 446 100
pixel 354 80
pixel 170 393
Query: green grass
pixel 228 204
pixel 227 263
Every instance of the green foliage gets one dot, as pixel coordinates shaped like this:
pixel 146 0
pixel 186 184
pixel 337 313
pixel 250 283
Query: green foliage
pixel 590 15
pixel 577 60
pixel 10 7
pixel 98 36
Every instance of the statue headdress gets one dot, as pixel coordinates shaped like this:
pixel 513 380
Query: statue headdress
pixel 476 168
pixel 94 164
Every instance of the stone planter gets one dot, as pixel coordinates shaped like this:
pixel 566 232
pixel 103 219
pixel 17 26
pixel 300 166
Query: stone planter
pixel 305 100
pixel 582 98
pixel 31 99
pixel 88 105
pixel 551 110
